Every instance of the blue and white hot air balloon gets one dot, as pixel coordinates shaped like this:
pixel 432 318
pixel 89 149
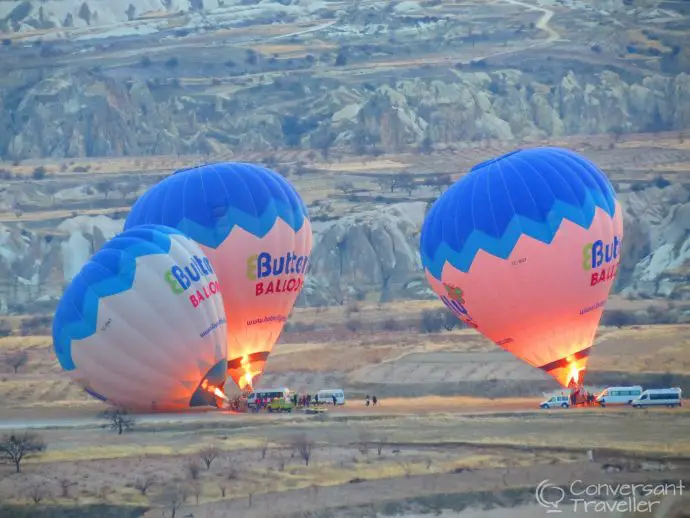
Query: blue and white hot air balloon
pixel 525 249
pixel 254 228
pixel 142 325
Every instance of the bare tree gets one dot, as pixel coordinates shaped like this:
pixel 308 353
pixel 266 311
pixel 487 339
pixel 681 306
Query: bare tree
pixel 510 464
pixel 51 190
pixel 385 183
pixel 381 443
pixel 404 181
pixel 126 189
pixel 104 187
pixel 364 442
pixel 195 489
pixel 232 473
pixel 14 448
pixel 353 325
pixel 264 448
pixel 431 321
pixel 103 492
pixel 5 329
pixel 280 463
pixel 223 489
pixel 345 187
pixel 193 470
pixel 172 497
pixel 17 360
pixel 143 484
pixel 38 491
pixel 406 467
pixel 208 455
pixel 65 485
pixel 303 445
pixel 450 321
pixel 120 420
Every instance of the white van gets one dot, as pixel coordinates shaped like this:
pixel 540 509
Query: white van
pixel 555 402
pixel 326 396
pixel 659 397
pixel 267 394
pixel 619 395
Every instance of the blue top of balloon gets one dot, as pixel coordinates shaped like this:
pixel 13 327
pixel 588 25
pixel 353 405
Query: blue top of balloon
pixel 207 202
pixel 528 191
pixel 110 271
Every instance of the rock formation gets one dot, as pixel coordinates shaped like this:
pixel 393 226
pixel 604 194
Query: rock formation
pixel 373 254
pixel 98 114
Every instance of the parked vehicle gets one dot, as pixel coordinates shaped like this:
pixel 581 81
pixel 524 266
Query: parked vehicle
pixel 555 402
pixel 267 395
pixel 619 395
pixel 326 396
pixel 280 405
pixel 672 397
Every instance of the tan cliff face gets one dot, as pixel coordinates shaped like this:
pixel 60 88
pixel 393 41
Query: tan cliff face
pixel 372 254
pixel 656 248
pixel 100 116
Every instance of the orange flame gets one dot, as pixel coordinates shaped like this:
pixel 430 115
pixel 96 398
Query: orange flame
pixel 245 381
pixel 220 394
pixel 213 390
pixel 574 372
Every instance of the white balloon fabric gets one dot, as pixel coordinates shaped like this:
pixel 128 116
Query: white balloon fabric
pixel 142 325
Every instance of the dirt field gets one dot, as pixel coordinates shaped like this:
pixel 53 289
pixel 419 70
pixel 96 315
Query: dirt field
pixel 435 452
pixel 392 457
pixel 392 363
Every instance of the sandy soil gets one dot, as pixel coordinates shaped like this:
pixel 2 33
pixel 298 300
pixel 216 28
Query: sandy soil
pixel 421 455
pixel 391 363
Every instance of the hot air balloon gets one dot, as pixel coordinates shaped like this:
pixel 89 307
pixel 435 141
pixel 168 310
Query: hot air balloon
pixel 254 227
pixel 127 328
pixel 525 249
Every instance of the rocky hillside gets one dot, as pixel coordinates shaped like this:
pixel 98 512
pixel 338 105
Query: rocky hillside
pixel 657 243
pixel 27 15
pixel 97 113
pixel 371 254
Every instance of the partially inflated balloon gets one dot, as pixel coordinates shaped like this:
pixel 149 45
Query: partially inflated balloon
pixel 525 249
pixel 126 331
pixel 254 227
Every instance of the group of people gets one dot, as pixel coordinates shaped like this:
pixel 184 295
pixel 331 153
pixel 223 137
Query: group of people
pixel 580 396
pixel 373 400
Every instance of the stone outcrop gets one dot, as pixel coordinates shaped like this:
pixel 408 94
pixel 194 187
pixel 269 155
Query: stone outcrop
pixel 100 116
pixel 373 254
pixel 656 247
pixel 36 266
pixel 28 15
pixel 368 254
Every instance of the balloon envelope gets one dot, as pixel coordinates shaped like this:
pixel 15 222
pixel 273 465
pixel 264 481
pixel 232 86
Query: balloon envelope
pixel 525 249
pixel 254 227
pixel 126 330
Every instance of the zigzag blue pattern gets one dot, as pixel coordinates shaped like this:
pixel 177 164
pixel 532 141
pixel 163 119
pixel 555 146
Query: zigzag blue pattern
pixel 207 202
pixel 560 185
pixel 110 271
